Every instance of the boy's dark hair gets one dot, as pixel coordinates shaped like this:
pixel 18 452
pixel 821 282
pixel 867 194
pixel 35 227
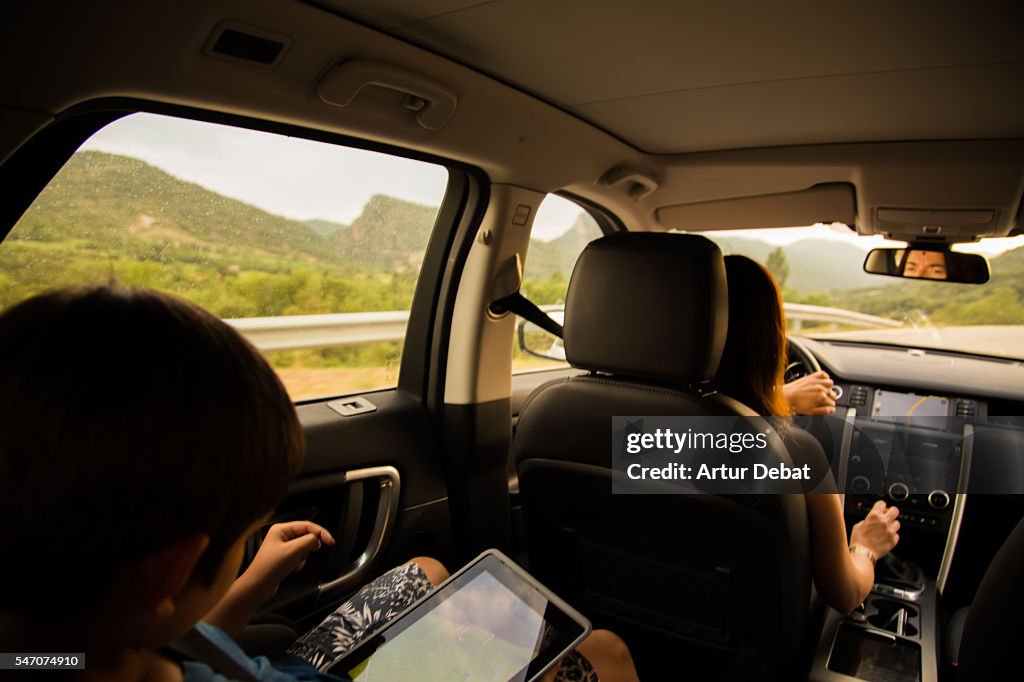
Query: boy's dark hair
pixel 129 419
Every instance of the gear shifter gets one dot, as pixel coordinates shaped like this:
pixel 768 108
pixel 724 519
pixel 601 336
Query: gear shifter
pixel 891 570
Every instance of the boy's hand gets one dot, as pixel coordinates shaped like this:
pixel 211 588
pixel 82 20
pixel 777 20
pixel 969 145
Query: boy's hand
pixel 283 552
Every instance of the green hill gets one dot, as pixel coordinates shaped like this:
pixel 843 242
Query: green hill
pixel 390 235
pixel 106 215
pixel 324 227
pixel 1008 262
pixel 815 265
pixel 558 256
pixel 125 205
pixel 1000 301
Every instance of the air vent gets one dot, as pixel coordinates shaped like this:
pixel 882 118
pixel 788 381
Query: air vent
pixel 858 395
pixel 246 45
pixel 966 409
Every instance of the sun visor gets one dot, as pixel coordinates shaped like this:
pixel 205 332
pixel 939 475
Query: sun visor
pixel 830 203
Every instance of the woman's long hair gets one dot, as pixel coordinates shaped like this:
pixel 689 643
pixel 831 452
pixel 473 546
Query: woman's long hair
pixel 754 359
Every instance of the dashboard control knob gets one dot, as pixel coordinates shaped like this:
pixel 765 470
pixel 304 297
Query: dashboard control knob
pixel 938 499
pixel 860 484
pixel 837 391
pixel 899 492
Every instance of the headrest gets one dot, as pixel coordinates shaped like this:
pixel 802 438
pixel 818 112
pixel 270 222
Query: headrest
pixel 651 305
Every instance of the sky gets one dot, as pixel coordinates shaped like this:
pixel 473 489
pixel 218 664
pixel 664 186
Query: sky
pixel 554 217
pixel 292 177
pixel 302 179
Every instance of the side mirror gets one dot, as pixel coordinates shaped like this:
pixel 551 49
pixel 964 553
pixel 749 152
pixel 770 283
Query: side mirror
pixel 926 262
pixel 539 343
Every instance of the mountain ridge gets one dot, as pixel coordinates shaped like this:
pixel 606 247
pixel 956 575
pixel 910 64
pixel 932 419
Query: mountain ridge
pixel 103 209
pixel 88 200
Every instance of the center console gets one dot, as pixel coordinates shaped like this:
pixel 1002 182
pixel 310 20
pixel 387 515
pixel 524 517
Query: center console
pixel 914 452
pixel 892 637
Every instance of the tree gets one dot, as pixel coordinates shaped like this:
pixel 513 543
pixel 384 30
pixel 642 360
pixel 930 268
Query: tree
pixel 778 266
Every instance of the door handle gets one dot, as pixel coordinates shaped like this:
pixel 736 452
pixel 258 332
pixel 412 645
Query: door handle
pixel 388 479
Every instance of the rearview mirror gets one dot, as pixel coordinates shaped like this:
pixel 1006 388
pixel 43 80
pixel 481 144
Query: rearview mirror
pixel 927 262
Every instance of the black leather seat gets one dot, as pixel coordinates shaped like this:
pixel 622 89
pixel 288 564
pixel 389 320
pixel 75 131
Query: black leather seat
pixel 985 637
pixel 716 587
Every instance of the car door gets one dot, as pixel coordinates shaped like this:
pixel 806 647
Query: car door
pixel 337 258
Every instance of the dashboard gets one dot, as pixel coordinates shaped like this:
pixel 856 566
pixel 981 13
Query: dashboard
pixel 917 429
pixel 921 370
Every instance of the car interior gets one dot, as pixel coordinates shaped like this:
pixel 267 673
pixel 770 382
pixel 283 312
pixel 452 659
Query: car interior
pixel 674 132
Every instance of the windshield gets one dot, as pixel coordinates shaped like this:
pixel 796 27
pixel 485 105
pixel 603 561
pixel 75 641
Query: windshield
pixel 828 295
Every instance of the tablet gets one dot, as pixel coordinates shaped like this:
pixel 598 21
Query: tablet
pixel 490 622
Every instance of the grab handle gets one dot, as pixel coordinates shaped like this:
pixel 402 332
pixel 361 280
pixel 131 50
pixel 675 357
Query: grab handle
pixel 433 102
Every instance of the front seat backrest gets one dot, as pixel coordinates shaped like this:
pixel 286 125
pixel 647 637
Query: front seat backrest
pixel 992 631
pixel 716 584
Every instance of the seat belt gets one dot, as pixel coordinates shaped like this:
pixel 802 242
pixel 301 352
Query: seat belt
pixel 195 645
pixel 526 309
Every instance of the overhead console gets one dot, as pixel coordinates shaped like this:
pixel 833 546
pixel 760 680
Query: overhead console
pixel 938 225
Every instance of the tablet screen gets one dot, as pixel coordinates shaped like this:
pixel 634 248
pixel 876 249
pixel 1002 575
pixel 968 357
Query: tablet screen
pixel 487 624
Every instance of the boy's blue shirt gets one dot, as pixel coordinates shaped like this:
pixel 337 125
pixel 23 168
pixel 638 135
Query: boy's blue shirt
pixel 283 668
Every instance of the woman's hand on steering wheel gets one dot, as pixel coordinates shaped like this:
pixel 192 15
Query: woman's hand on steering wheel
pixel 811 395
pixel 800 362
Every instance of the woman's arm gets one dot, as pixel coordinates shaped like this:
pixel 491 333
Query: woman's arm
pixel 844 578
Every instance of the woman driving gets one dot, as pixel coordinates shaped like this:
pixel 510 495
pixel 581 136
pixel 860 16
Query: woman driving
pixel 751 371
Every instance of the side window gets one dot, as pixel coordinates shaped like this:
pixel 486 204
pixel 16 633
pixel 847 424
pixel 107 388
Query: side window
pixel 560 231
pixel 312 250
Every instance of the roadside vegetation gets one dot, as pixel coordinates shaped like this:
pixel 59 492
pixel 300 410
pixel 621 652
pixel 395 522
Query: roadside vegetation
pixel 107 217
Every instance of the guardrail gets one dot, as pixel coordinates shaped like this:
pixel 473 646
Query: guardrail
pixel 798 313
pixel 293 332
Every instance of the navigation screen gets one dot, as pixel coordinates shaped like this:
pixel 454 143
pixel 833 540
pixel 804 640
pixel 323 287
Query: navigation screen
pixel 483 632
pixel 901 407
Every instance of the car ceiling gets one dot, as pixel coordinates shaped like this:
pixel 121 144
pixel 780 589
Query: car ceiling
pixel 758 114
pixel 669 114
pixel 675 77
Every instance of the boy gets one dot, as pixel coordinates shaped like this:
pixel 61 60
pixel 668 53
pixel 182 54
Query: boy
pixel 142 441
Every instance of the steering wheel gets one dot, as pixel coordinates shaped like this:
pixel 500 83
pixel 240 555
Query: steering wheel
pixel 801 361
